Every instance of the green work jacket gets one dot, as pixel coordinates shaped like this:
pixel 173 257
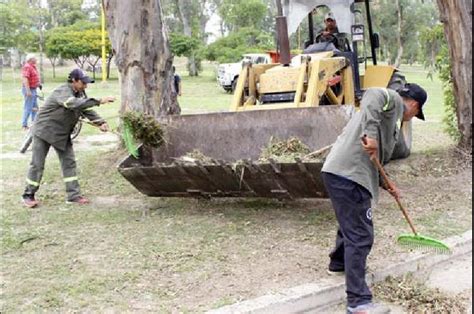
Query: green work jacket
pixel 60 113
pixel 379 117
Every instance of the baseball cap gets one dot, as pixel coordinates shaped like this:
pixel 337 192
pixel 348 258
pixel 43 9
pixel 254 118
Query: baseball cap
pixel 416 92
pixel 78 74
pixel 30 56
pixel 328 16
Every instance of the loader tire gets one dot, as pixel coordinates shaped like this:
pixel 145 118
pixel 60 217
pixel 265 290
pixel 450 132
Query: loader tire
pixel 234 84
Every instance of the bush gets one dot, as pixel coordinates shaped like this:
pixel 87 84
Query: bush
pixel 434 43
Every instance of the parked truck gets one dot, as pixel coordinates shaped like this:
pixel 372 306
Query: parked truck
pixel 228 73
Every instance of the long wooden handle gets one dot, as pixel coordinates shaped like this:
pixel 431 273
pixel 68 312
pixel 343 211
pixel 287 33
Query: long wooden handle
pixel 377 163
pixel 95 125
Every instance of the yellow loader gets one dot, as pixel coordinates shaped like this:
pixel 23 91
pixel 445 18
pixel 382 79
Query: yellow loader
pixel 310 96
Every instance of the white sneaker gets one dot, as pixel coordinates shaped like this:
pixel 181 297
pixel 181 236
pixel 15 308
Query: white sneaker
pixel 369 308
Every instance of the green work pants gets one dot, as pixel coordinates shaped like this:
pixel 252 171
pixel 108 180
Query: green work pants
pixel 68 167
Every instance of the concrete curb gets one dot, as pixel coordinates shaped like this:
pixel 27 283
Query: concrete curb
pixel 317 296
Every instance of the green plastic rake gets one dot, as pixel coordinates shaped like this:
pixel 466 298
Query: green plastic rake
pixel 414 240
pixel 129 140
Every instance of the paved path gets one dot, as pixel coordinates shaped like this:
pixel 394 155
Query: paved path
pixel 453 277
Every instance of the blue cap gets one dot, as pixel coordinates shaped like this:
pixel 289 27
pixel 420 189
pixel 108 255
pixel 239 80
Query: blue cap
pixel 78 74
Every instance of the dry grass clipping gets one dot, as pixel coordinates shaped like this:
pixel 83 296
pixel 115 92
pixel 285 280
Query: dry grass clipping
pixel 194 157
pixel 416 297
pixel 145 128
pixel 284 150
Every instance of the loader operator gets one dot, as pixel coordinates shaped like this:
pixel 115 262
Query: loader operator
pixel 331 34
pixel 53 127
pixel 352 181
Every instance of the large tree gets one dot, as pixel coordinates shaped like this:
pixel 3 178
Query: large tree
pixel 408 18
pixel 456 15
pixel 140 42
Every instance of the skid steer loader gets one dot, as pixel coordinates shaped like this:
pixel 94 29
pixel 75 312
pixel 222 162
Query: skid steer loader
pixel 310 97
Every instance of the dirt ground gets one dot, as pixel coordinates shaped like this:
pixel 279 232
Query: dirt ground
pixel 127 252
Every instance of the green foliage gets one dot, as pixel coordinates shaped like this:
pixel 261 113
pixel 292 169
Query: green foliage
pixel 436 59
pixel 416 16
pixel 432 41
pixel 66 12
pixel 450 119
pixel 77 42
pixel 14 24
pixel 182 45
pixel 231 48
pixel 238 14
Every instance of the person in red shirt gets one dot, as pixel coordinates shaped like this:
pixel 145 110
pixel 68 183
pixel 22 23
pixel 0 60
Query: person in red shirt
pixel 30 84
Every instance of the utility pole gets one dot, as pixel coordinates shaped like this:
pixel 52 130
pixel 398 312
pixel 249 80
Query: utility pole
pixel 104 62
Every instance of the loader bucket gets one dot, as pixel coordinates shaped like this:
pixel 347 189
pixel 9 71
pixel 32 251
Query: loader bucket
pixel 234 140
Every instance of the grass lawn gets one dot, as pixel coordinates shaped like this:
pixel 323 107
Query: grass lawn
pixel 128 252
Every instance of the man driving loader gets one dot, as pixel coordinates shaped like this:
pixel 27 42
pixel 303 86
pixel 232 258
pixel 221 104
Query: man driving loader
pixel 352 181
pixel 331 34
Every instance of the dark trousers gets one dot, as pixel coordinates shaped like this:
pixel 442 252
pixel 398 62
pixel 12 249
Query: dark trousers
pixel 68 166
pixel 355 236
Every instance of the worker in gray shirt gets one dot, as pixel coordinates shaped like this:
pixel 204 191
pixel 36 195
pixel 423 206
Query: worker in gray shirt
pixel 352 181
pixel 53 126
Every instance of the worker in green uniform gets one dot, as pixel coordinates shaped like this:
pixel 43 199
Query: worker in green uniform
pixel 53 126
pixel 352 181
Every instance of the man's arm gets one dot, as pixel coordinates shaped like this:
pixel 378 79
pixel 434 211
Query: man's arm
pixel 75 103
pixel 26 84
pixel 94 117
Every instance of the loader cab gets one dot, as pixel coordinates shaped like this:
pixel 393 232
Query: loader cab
pixel 324 33
pixel 320 75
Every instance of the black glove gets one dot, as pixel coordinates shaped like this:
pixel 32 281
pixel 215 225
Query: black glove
pixel 40 87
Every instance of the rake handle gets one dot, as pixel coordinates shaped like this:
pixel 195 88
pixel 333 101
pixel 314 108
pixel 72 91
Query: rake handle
pixel 110 131
pixel 377 164
pixel 386 180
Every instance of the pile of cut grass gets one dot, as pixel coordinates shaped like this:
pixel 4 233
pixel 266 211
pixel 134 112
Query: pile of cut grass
pixel 416 297
pixel 145 128
pixel 284 151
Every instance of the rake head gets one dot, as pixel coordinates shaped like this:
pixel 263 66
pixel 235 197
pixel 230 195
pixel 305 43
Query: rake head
pixel 424 243
pixel 129 140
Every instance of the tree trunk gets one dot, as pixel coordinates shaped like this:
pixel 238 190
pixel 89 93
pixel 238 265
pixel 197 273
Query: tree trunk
pixel 185 11
pixel 203 19
pixel 41 50
pixel 52 60
pixel 398 60
pixel 143 57
pixel 456 16
pixel 109 60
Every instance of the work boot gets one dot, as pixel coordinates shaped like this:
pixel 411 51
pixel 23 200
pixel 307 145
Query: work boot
pixel 369 308
pixel 29 201
pixel 81 200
